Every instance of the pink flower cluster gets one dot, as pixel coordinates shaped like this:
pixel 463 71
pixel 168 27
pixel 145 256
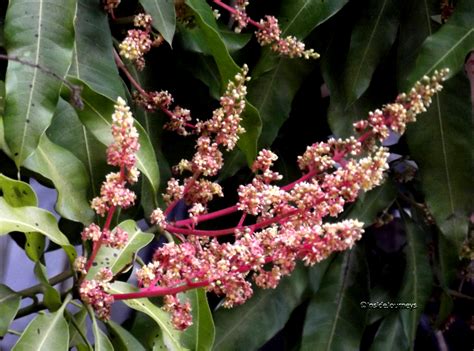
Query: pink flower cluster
pixel 139 41
pixel 240 16
pixel 269 33
pixel 121 153
pixel 93 292
pixel 288 221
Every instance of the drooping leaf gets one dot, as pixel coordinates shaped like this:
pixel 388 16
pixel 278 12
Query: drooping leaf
pixel 45 333
pixel 371 39
pixel 249 326
pixel 28 219
pixel 101 341
pixel 200 335
pixel 9 305
pixel 117 259
pixel 447 47
pixel 67 131
pixel 335 308
pixel 17 193
pixel 418 279
pixel 372 203
pixel 438 143
pixel 390 335
pixel 40 32
pixel 69 177
pixel 170 335
pixel 121 338
pixel 51 297
pixel 97 117
pixel 227 69
pixel 93 60
pixel 164 17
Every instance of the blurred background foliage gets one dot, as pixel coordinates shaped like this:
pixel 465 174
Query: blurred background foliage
pixel 418 245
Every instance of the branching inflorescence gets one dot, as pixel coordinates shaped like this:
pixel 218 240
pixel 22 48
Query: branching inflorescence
pixel 278 226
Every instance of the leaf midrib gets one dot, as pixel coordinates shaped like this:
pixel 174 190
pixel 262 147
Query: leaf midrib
pixel 33 83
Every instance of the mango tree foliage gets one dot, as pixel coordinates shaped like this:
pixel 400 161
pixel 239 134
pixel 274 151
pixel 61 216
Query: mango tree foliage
pixel 92 93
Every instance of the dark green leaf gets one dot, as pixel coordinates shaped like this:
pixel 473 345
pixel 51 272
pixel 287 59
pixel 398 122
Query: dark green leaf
pixel 80 319
pixel 69 177
pixel 390 335
pixel 418 279
pixel 93 60
pixel 448 47
pixel 334 311
pixel 200 335
pixel 439 143
pixel 45 333
pixel 122 340
pixel 67 131
pixel 249 326
pixel 371 39
pixel 9 305
pixel 164 16
pixel 117 259
pixel 29 219
pixel 41 32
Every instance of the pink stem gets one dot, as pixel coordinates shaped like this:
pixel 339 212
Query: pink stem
pixel 160 291
pixel 234 11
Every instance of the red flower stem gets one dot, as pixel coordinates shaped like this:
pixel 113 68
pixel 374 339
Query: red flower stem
pixel 123 68
pixel 234 11
pixel 226 231
pixel 160 291
pixel 108 221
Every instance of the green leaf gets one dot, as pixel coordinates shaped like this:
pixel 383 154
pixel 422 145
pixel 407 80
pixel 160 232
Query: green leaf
pixel 97 117
pixel 69 177
pixel 117 259
pixel 390 335
pixel 41 32
pixel 121 338
pixel 102 342
pixel 438 142
pixel 227 69
pixel 9 305
pixel 372 37
pixel 80 319
pixel 28 219
pixel 145 329
pixel 93 60
pixel 17 193
pixel 51 299
pixel 35 245
pixel 171 336
pixel 67 131
pixel 418 279
pixel 448 47
pixel 249 326
pixel 335 308
pixel 164 17
pixel 45 333
pixel 200 335
pixel 370 204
